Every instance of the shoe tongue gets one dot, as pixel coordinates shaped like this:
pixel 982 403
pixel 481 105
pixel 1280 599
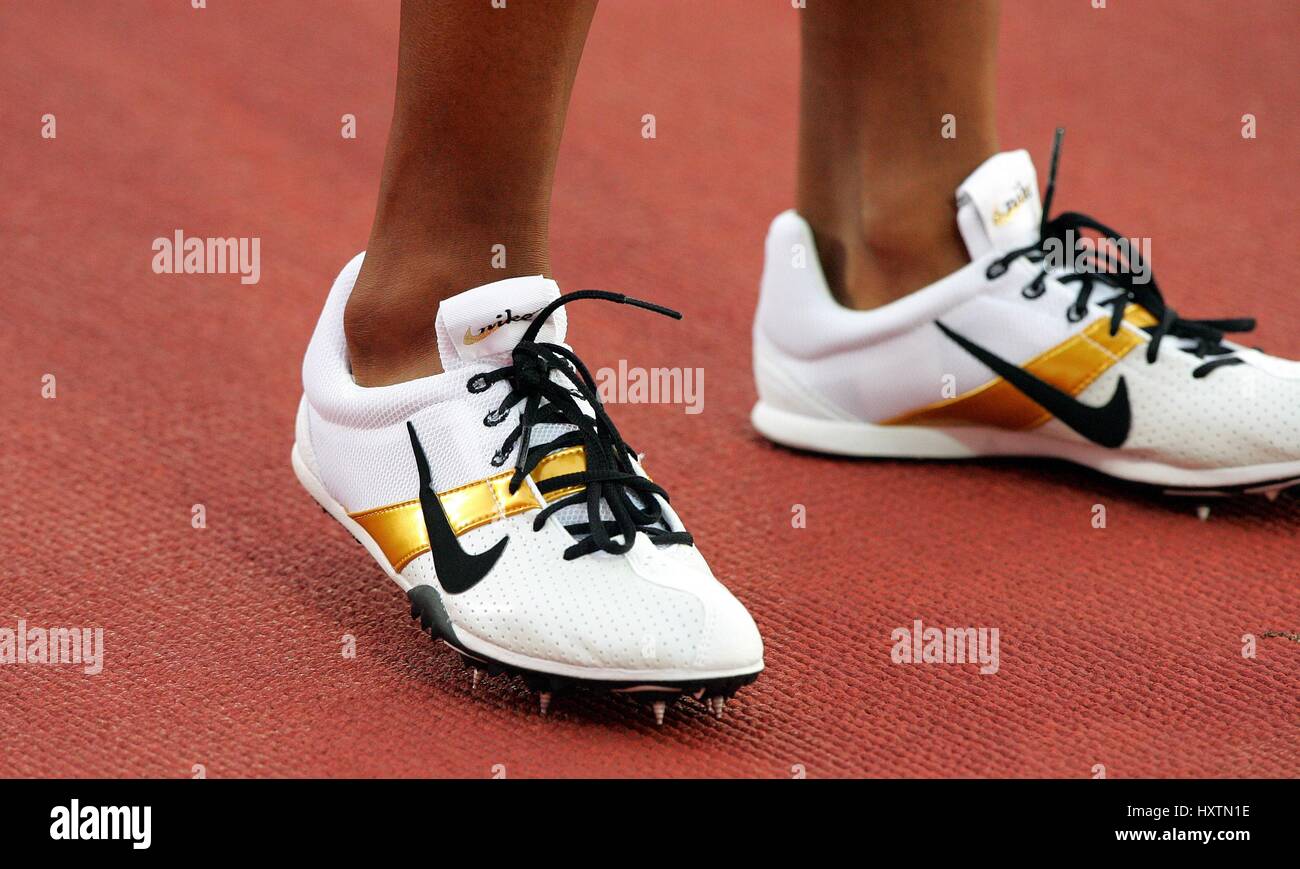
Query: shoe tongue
pixel 998 206
pixel 490 320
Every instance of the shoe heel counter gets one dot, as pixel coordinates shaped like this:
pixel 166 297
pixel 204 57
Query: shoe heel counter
pixel 302 437
pixel 782 389
pixel 792 293
pixel 791 274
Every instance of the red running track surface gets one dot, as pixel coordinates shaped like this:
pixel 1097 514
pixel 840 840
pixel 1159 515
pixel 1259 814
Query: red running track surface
pixel 1120 647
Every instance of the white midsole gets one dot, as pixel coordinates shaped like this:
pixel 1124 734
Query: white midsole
pixel 480 646
pixel 851 438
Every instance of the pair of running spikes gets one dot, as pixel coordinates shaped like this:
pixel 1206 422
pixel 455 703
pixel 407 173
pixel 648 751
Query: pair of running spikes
pixel 501 497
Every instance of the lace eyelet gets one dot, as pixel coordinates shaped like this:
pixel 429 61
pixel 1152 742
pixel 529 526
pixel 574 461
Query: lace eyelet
pixel 495 418
pixel 995 271
pixel 1034 290
pixel 1074 315
pixel 498 459
pixel 477 383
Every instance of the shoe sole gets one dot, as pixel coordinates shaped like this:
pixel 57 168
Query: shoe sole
pixel 865 440
pixel 541 676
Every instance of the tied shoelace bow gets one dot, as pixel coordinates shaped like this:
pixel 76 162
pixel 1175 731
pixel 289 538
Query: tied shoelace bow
pixel 1206 336
pixel 610 477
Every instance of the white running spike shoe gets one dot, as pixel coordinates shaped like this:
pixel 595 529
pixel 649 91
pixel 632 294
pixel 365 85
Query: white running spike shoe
pixel 1039 347
pixel 501 498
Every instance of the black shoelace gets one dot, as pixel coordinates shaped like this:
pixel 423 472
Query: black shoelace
pixel 1117 273
pixel 610 477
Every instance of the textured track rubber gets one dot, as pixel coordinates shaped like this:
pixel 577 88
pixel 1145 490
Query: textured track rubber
pixel 224 645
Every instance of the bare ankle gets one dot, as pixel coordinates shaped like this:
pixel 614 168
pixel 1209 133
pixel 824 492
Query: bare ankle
pixel 867 269
pixel 389 325
pixel 390 316
pixel 897 241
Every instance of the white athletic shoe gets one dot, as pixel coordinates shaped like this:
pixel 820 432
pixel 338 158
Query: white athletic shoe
pixel 1022 353
pixel 553 555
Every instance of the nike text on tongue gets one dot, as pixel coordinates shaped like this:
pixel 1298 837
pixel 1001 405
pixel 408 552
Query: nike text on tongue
pixel 489 320
pixel 473 336
pixel 998 206
pixel 1003 214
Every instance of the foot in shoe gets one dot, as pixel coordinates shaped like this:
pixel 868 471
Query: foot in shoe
pixel 1023 352
pixel 501 497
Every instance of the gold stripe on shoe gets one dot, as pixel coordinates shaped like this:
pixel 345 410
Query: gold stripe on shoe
pixel 1070 366
pixel 399 528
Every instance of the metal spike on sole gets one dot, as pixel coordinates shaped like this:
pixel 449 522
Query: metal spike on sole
pixel 476 675
pixel 660 708
pixel 717 704
pixel 1203 512
pixel 1271 494
pixel 544 685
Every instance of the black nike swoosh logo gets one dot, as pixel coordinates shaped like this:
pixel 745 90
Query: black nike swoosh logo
pixel 1107 425
pixel 457 570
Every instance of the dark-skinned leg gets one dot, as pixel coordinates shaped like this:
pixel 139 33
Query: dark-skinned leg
pixel 876 178
pixel 482 94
